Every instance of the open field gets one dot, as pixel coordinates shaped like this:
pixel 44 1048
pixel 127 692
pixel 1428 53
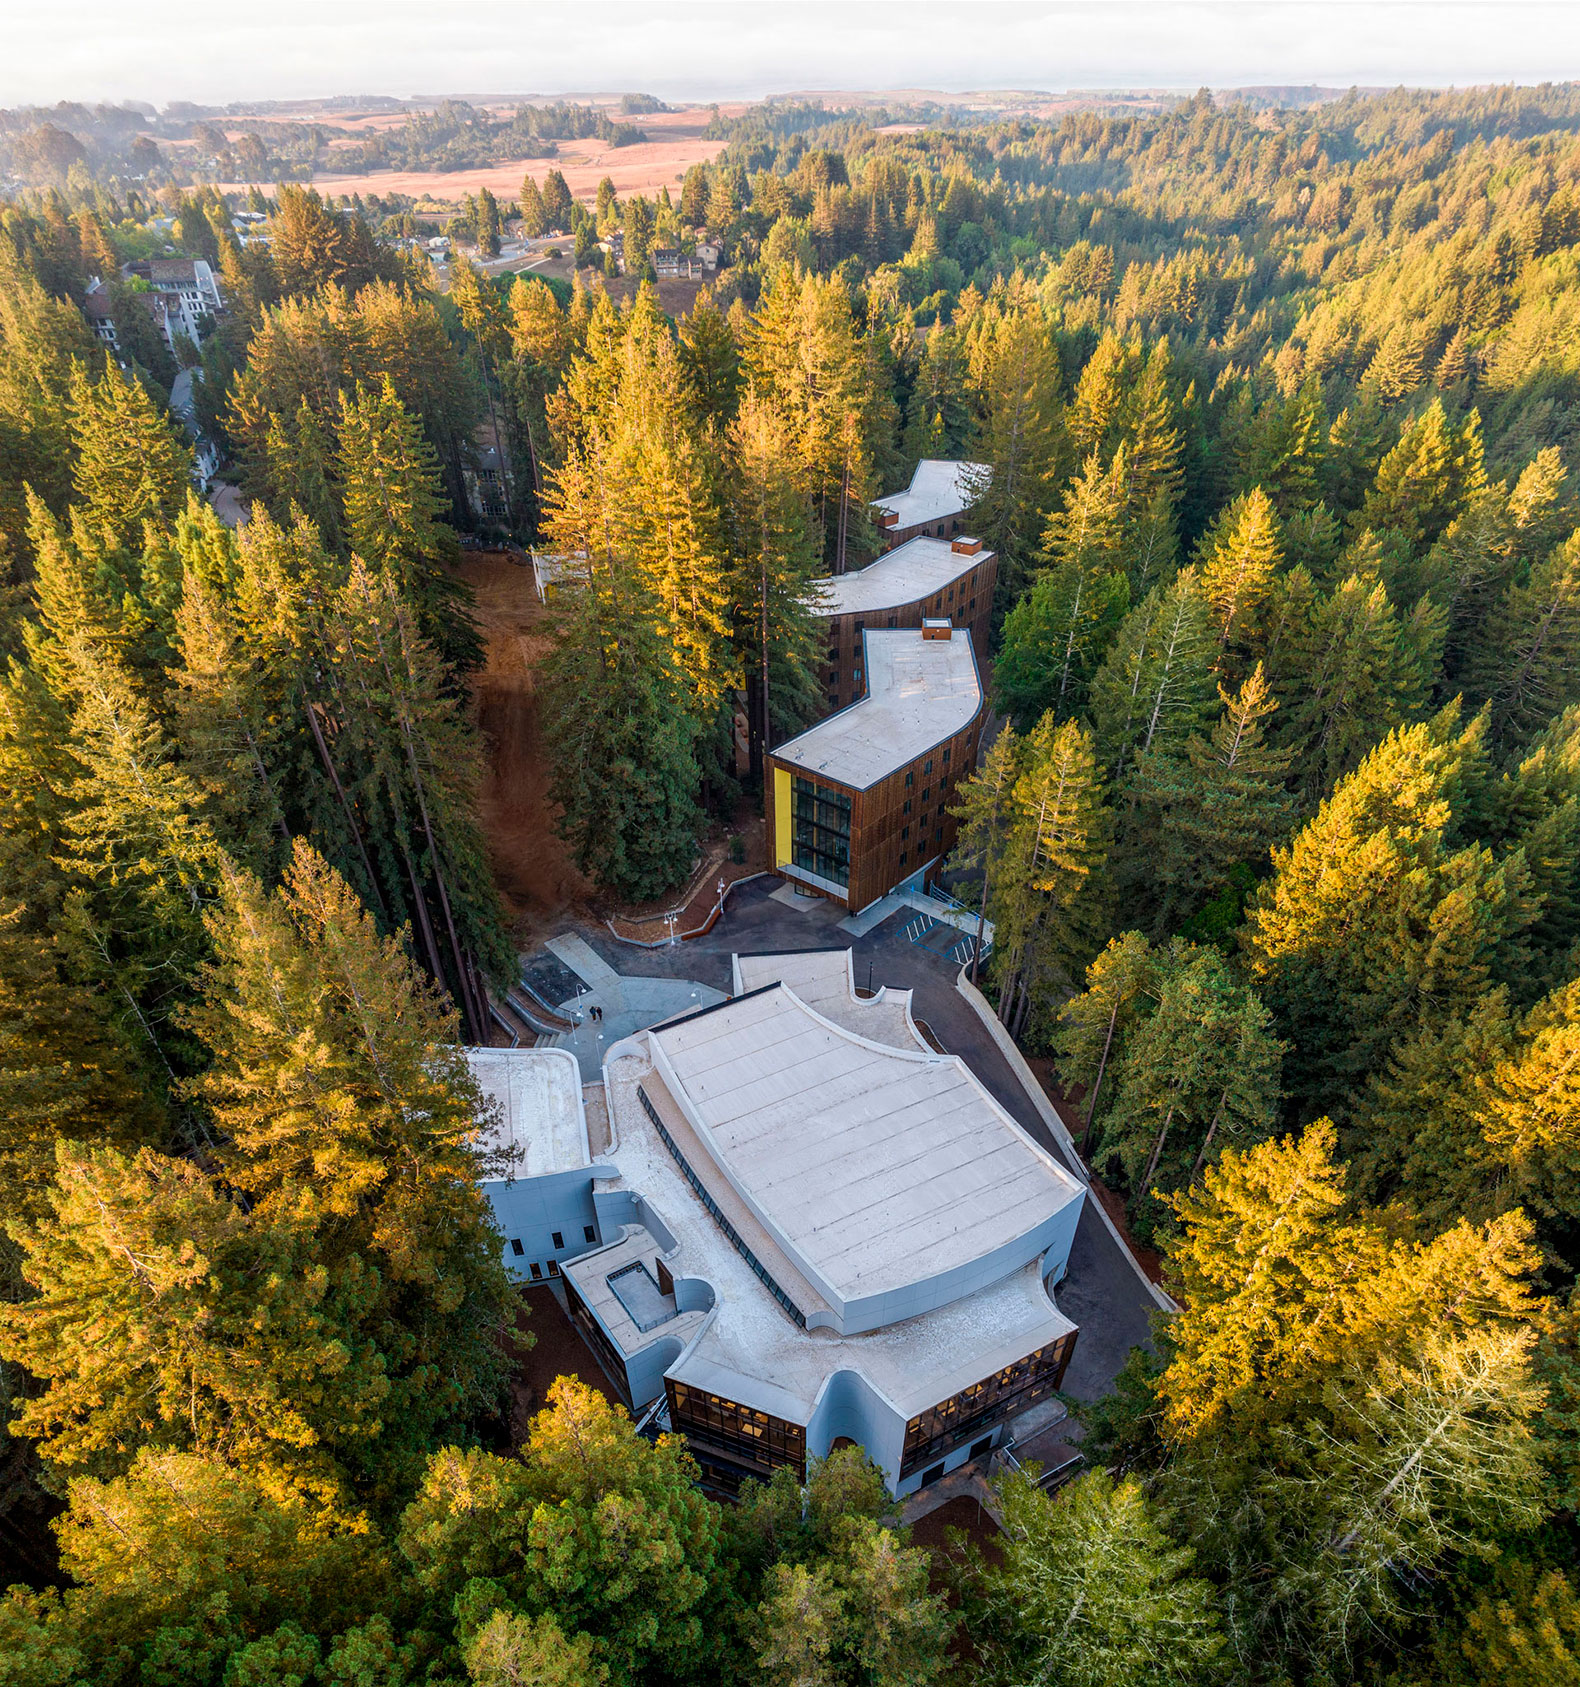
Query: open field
pixel 676 144
pixel 643 168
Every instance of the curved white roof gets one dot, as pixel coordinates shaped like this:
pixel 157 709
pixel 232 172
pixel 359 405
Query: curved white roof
pixel 939 489
pixel 825 980
pixel 875 1168
pixel 918 569
pixel 920 691
pixel 538 1093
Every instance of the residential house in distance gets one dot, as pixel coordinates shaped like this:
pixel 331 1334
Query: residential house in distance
pixel 934 504
pixel 857 805
pixel 187 286
pixel 923 579
pixel 181 293
pixel 808 1229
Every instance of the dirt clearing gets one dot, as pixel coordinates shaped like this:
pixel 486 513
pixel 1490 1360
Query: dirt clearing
pixel 532 866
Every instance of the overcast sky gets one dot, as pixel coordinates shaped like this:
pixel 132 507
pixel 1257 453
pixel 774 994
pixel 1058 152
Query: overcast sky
pixel 215 51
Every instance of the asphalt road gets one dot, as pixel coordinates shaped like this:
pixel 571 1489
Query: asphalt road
pixel 1102 1292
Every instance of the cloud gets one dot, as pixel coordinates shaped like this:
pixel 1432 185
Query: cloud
pixel 158 50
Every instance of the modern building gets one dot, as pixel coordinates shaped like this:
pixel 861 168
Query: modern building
pixel 924 579
pixel 934 504
pixel 857 804
pixel 543 1196
pixel 812 1230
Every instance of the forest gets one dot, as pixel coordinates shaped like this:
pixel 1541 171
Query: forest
pixel 1280 837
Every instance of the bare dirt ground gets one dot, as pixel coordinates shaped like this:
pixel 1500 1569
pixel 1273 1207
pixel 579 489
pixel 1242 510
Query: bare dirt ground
pixel 531 864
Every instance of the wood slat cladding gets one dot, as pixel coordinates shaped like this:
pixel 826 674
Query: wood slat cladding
pixel 897 825
pixel 966 601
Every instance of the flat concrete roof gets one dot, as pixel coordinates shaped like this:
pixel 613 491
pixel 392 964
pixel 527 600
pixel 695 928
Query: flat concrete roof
pixel 749 1351
pixel 939 489
pixel 875 1167
pixel 920 691
pixel 538 1093
pixel 910 572
pixel 825 981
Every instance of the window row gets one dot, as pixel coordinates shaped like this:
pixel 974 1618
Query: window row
pixel 757 1436
pixel 1006 1393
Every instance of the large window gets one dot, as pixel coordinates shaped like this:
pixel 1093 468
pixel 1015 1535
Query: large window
pixel 820 830
pixel 756 1439
pixel 1005 1394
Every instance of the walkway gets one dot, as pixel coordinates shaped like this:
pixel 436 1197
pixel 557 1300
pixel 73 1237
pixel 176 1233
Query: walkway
pixel 625 1004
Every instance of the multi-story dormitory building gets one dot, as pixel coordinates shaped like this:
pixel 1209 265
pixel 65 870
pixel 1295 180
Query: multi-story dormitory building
pixel 858 804
pixel 924 579
pixel 934 504
pixel 806 1228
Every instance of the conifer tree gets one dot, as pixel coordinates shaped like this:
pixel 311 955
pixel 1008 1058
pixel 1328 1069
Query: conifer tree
pixel 347 1106
pixel 986 813
pixel 1050 891
pixel 1155 684
pixel 1373 923
pixel 162 1318
pixel 1428 477
pixel 1121 984
pixel 534 215
pixel 556 200
pixel 1092 1592
pixel 1229 805
pixel 1356 670
pixel 1237 560
pixel 1054 638
pixel 776 554
pixel 1524 662
pixel 1016 371
pixel 130 467
pixel 393 504
pixel 606 1531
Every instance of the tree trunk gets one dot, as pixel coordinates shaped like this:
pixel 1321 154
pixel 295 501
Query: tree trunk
pixel 1097 1082
pixel 1157 1152
pixel 345 804
pixel 1201 1158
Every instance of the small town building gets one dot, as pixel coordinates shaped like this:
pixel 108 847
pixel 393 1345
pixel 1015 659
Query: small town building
pixel 934 504
pixel 858 804
pixel 809 1229
pixel 923 579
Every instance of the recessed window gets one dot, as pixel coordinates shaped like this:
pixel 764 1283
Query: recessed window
pixel 891 621
pixel 907 781
pixel 516 1247
pixel 589 1233
pixel 554 1268
pixel 559 1239
pixel 907 808
pixel 902 857
pixel 927 766
pixel 537 1272
pixel 946 755
pixel 905 831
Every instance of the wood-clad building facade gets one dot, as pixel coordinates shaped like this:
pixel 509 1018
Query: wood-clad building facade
pixel 927 579
pixel 857 805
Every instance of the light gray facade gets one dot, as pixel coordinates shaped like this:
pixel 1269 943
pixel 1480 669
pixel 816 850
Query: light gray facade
pixel 811 1229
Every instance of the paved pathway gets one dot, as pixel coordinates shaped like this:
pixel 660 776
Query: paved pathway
pixel 628 1003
